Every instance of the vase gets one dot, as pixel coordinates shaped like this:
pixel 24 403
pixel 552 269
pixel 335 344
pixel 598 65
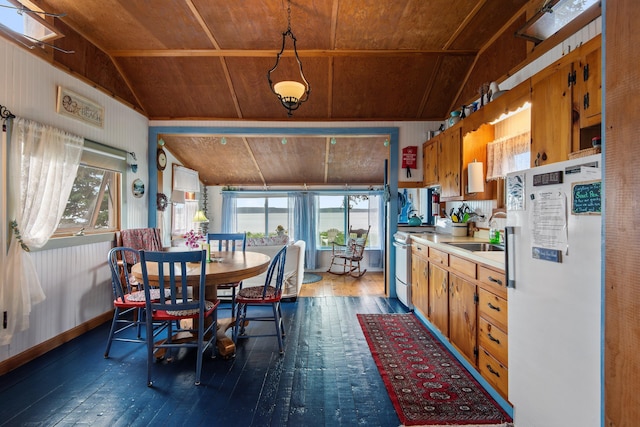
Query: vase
pixel 459 229
pixel 455 118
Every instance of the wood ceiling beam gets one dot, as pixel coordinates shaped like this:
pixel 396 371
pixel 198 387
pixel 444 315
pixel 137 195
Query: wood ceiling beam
pixel 253 159
pixel 223 63
pixel 273 53
pixel 464 23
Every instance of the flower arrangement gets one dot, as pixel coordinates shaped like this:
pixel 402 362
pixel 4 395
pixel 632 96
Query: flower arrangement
pixel 193 239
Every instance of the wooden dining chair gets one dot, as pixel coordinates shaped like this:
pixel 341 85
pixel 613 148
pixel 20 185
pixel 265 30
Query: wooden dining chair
pixel 170 272
pixel 228 242
pixel 128 298
pixel 269 294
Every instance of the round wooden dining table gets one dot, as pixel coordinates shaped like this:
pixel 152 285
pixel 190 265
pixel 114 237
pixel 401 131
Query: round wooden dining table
pixel 225 267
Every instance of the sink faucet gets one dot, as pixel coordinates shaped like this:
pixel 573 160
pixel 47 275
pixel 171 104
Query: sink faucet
pixel 495 234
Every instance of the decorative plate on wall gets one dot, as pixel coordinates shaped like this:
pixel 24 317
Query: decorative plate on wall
pixel 137 188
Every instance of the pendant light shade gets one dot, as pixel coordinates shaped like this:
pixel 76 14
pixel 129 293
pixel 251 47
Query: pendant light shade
pixel 291 93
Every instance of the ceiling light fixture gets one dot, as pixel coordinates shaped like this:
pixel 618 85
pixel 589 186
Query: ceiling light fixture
pixel 284 141
pixel 290 93
pixel 223 141
pixel 333 141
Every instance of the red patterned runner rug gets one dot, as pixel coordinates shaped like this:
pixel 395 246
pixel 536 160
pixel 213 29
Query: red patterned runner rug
pixel 426 384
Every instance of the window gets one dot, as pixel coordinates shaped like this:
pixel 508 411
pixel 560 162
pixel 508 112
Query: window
pixel 24 23
pixel 260 216
pixel 336 214
pixel 94 205
pixel 183 213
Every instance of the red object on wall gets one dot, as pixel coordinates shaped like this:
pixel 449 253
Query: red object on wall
pixel 410 157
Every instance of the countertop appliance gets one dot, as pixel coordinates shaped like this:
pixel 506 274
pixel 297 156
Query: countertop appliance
pixel 402 243
pixel 553 241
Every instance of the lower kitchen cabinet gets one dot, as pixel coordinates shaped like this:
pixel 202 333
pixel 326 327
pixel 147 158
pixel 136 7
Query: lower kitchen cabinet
pixel 439 298
pixel 419 279
pixel 462 316
pixel 466 300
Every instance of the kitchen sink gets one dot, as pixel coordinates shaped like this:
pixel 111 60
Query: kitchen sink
pixel 477 246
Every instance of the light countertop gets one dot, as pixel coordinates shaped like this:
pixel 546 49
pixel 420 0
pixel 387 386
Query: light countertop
pixel 490 258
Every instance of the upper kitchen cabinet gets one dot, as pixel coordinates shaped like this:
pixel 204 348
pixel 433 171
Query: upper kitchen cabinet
pixel 430 151
pixel 566 106
pixel 450 163
pixel 442 163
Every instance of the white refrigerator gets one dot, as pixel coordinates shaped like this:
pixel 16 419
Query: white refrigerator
pixel 554 241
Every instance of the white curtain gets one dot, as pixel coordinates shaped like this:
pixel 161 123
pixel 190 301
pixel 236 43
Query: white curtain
pixel 505 155
pixel 43 163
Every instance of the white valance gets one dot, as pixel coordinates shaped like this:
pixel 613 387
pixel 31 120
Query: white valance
pixel 504 155
pixel 185 180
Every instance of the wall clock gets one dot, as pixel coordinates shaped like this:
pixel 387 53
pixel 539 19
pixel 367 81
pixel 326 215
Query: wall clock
pixel 161 159
pixel 161 202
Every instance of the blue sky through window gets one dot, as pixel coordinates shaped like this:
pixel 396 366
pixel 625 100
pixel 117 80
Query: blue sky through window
pixel 10 18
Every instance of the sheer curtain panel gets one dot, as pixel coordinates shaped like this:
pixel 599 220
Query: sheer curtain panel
pixel 43 162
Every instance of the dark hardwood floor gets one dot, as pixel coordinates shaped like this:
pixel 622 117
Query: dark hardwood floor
pixel 327 377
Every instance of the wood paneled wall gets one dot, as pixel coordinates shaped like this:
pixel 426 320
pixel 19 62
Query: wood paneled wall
pixel 75 279
pixel 622 235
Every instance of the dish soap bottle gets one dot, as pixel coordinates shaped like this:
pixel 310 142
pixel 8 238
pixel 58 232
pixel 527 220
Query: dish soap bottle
pixel 494 236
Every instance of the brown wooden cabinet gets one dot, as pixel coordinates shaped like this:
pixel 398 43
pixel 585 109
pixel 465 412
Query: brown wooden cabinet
pixel 442 162
pixel 450 163
pixel 462 316
pixel 566 105
pixel 466 301
pixel 439 298
pixel 430 161
pixel 588 87
pixel 419 278
pixel 551 116
pixel 493 344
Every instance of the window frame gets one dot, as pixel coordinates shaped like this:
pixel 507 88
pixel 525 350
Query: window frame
pixel 102 156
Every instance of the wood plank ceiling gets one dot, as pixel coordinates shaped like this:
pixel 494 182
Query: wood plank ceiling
pixel 383 60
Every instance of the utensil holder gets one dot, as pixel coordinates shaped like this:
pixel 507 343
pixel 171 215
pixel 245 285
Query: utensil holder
pixel 459 229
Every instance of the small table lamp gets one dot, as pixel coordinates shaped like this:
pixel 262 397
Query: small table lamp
pixel 200 218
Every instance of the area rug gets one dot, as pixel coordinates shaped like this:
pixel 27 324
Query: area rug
pixel 426 384
pixel 311 278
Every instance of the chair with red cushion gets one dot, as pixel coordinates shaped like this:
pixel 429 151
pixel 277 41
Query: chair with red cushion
pixel 269 294
pixel 228 242
pixel 128 298
pixel 172 280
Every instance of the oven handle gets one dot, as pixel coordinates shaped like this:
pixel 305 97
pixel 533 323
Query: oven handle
pixel 400 245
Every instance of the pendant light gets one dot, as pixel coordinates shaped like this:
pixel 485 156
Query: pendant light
pixel 290 93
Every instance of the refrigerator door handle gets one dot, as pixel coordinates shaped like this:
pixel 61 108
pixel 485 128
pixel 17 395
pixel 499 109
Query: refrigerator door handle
pixel 509 245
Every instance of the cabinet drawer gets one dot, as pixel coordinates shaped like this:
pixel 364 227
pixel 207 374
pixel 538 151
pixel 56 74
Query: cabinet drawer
pixel 493 308
pixel 420 250
pixel 491 277
pixel 494 340
pixel 438 257
pixel 463 266
pixel 494 372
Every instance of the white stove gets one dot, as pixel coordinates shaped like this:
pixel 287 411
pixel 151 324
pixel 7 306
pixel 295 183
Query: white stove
pixel 402 243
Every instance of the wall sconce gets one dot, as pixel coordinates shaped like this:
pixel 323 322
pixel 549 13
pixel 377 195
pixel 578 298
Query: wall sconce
pixel 134 164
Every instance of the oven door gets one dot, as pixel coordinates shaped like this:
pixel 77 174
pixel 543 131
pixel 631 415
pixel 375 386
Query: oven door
pixel 403 273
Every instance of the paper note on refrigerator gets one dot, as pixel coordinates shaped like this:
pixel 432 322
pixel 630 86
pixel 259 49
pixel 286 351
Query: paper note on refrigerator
pixel 548 220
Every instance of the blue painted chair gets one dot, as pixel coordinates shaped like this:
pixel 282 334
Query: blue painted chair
pixel 128 298
pixel 228 242
pixel 169 269
pixel 269 294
